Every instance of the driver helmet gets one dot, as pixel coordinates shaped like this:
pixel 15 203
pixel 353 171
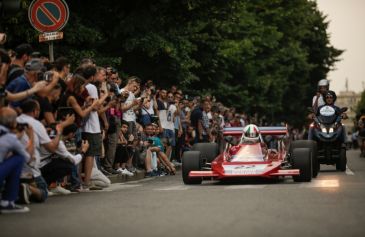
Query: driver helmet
pixel 251 133
pixel 333 94
pixel 325 83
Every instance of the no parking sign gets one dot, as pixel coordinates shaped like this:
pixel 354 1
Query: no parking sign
pixel 48 15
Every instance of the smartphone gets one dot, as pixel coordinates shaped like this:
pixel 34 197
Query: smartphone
pixel 62 112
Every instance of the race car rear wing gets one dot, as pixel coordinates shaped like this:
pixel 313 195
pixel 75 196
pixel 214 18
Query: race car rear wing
pixel 237 131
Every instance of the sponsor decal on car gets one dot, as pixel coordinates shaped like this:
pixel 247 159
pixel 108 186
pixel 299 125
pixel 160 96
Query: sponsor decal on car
pixel 244 169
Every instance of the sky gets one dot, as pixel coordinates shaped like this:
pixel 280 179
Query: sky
pixel 347 32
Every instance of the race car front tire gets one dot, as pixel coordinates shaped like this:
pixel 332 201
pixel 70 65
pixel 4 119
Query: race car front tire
pixel 208 151
pixel 311 145
pixel 191 161
pixel 302 160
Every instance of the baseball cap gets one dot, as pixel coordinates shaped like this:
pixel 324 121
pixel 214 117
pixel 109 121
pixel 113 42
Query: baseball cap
pixel 34 64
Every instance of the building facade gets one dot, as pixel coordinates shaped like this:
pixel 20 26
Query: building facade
pixel 348 99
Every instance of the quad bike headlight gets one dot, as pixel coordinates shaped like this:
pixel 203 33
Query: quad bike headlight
pixel 324 130
pixel 330 130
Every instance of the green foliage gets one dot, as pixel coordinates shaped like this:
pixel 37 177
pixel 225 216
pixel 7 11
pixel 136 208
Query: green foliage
pixel 263 57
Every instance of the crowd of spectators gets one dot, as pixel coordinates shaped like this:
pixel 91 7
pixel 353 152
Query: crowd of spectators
pixel 64 130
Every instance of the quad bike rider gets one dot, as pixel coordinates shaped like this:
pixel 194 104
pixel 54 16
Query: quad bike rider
pixel 328 132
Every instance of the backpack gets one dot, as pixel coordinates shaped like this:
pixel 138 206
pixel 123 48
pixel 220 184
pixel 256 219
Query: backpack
pixel 13 73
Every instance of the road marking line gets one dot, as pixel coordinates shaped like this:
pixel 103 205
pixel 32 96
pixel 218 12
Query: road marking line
pixel 236 187
pixel 348 171
pixel 173 188
pixel 326 183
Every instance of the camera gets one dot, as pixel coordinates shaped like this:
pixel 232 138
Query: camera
pixel 21 126
pixel 154 119
pixel 47 76
pixel 62 112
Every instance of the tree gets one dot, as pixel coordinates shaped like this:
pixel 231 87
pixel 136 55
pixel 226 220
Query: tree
pixel 263 57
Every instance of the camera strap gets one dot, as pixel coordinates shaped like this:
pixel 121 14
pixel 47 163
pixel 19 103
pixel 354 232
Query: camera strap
pixel 14 70
pixel 146 111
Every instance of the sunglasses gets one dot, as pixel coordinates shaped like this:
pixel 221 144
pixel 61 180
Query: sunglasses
pixel 330 96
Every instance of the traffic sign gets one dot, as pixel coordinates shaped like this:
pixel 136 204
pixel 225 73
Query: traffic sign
pixel 49 36
pixel 48 15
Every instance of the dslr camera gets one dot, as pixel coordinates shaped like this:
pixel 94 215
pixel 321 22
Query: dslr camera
pixel 45 76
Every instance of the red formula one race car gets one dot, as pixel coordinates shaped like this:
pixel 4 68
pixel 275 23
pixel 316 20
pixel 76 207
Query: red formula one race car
pixel 267 157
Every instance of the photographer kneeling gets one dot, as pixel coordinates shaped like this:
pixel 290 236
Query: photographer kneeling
pixel 12 157
pixel 55 166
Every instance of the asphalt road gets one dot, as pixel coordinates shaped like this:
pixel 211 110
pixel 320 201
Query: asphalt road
pixel 331 205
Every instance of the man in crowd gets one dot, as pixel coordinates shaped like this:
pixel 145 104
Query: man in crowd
pixel 33 71
pixel 22 56
pixel 12 157
pixel 131 102
pixel 91 127
pixel 167 113
pixel 30 112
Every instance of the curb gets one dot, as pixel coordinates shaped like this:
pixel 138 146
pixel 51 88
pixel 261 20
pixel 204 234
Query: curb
pixel 120 178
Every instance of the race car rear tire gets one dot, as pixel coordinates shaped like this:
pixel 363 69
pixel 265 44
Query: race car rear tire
pixel 301 159
pixel 311 145
pixel 191 161
pixel 208 151
pixel 342 161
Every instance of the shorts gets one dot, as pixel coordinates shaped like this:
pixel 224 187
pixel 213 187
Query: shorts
pixel 169 136
pixel 95 141
pixel 123 153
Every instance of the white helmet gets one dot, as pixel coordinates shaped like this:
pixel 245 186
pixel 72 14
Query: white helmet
pixel 324 82
pixel 251 133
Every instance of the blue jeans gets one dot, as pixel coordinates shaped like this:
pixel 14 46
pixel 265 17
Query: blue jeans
pixel 43 188
pixel 75 178
pixel 170 135
pixel 10 170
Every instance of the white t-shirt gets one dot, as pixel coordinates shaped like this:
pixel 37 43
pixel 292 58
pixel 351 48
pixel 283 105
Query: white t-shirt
pixel 40 137
pixel 62 152
pixel 320 101
pixel 129 115
pixel 92 124
pixel 166 115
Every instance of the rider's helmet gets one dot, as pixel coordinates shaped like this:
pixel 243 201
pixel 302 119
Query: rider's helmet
pixel 251 133
pixel 324 83
pixel 333 94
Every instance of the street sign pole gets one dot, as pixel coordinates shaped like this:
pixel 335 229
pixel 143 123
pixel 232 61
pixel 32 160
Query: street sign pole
pixel 49 17
pixel 50 49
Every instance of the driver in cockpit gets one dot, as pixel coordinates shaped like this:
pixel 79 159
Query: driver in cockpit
pixel 251 135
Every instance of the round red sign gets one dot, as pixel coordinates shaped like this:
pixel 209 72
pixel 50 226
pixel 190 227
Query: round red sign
pixel 48 15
